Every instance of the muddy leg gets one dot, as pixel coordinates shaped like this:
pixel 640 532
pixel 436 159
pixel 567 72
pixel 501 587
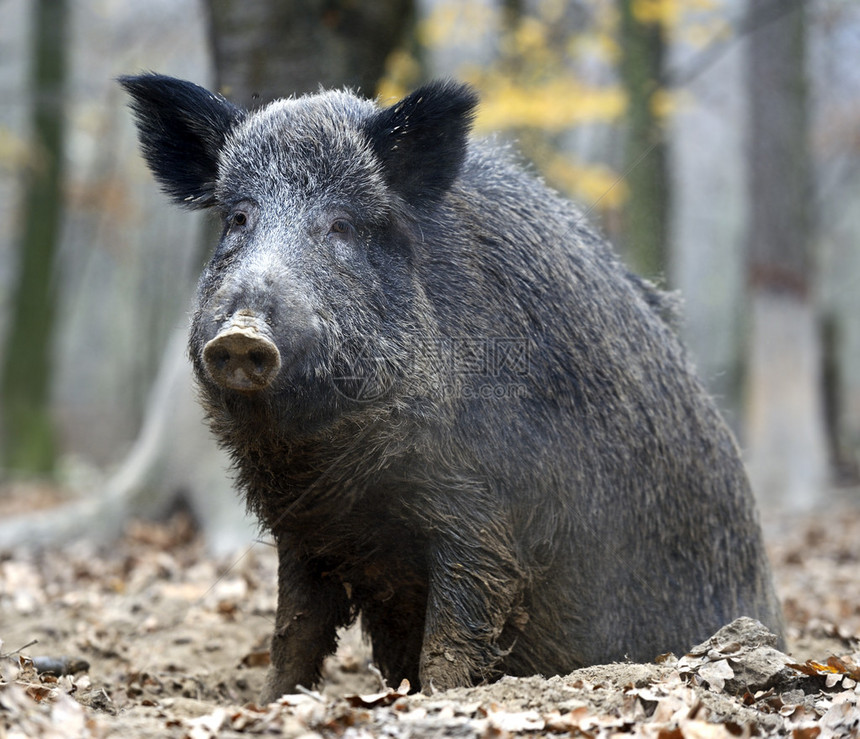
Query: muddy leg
pixel 474 590
pixel 311 607
pixel 396 631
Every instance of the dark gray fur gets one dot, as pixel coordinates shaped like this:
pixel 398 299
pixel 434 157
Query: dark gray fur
pixel 598 513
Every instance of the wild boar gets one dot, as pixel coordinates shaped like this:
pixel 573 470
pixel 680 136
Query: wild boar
pixel 456 411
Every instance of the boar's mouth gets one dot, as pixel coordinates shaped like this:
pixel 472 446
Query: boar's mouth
pixel 242 356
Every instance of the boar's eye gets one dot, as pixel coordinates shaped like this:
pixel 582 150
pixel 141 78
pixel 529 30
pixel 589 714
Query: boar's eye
pixel 237 219
pixel 342 227
pixel 240 217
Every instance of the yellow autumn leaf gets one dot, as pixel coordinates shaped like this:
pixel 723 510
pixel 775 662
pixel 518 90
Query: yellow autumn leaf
pixel 457 23
pixel 701 35
pixel 665 103
pixel 665 12
pixel 552 11
pixel 554 105
pixel 530 36
pixel 15 152
pixel 402 72
pixel 669 13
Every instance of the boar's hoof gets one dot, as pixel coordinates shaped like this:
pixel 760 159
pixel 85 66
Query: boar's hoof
pixel 240 358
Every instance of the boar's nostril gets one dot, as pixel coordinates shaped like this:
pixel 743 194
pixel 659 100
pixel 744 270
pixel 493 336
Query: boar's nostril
pixel 260 359
pixel 241 358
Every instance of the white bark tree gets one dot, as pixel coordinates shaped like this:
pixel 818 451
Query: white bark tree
pixel 784 425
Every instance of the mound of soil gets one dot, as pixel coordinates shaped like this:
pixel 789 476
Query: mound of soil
pixel 154 638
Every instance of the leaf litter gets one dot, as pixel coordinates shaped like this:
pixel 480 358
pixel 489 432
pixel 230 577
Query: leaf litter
pixel 152 637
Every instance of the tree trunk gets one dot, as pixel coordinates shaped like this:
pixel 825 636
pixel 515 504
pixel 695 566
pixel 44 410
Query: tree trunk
pixel 26 381
pixel 644 216
pixel 784 410
pixel 264 49
pixel 173 456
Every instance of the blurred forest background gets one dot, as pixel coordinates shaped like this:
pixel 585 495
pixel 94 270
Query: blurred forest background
pixel 715 142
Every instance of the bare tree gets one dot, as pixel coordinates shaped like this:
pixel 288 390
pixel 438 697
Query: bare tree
pixel 28 432
pixel 262 49
pixel 265 49
pixel 784 410
pixel 644 216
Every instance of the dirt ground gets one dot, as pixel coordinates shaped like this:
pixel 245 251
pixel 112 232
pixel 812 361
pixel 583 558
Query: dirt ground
pixel 175 645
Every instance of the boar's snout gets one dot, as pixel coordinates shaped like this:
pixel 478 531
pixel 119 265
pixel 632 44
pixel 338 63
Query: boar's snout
pixel 241 356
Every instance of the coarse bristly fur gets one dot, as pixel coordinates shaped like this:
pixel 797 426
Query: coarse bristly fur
pixel 483 435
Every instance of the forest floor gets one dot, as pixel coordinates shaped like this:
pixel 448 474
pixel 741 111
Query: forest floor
pixel 175 645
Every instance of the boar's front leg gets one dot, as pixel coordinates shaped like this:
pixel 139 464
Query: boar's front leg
pixel 311 607
pixel 474 591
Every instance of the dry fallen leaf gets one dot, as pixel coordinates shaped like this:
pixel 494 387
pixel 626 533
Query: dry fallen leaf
pixel 716 673
pixel 190 662
pixel 206 727
pixel 515 722
pixel 260 658
pixel 385 697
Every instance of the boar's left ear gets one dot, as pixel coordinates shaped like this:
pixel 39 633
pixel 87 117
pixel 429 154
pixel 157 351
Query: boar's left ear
pixel 421 140
pixel 182 128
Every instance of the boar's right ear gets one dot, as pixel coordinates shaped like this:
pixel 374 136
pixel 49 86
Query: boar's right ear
pixel 421 141
pixel 182 128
